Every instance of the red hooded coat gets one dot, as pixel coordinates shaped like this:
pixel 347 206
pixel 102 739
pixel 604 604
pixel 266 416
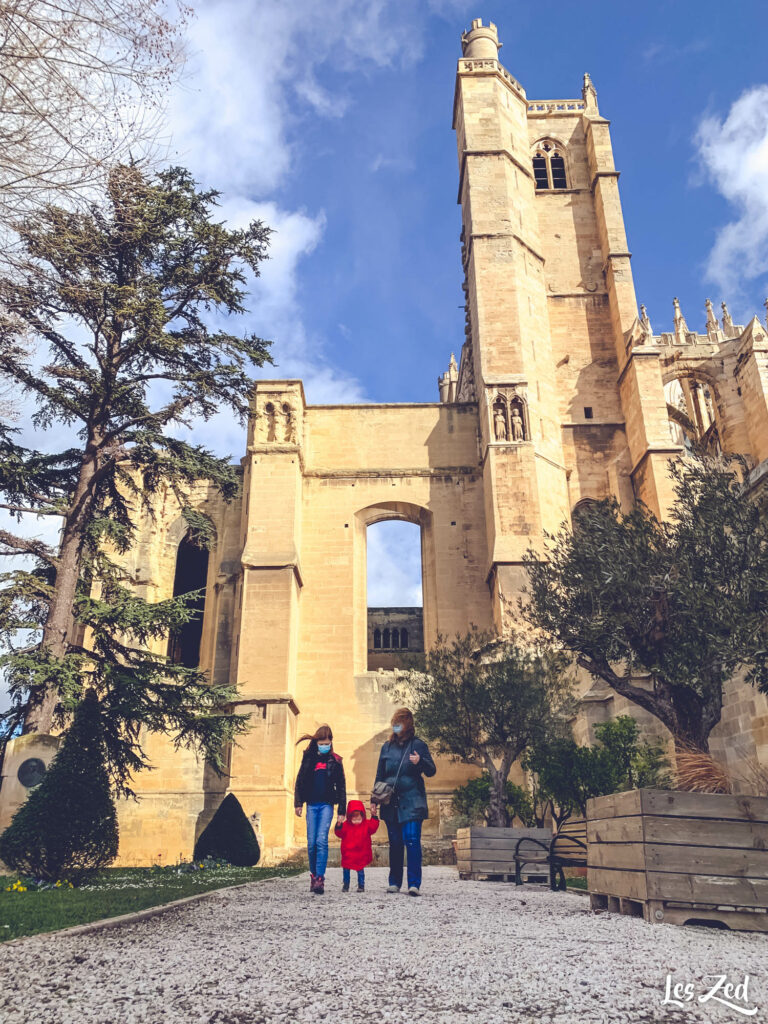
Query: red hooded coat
pixel 356 850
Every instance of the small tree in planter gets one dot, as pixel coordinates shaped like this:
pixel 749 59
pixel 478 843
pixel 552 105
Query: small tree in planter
pixel 484 702
pixel 683 602
pixel 473 802
pixel 565 775
pixel 68 826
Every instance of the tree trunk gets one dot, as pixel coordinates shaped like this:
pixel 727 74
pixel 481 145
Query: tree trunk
pixel 499 816
pixel 58 626
pixel 689 717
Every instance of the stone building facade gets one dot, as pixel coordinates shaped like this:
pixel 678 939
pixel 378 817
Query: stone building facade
pixel 563 393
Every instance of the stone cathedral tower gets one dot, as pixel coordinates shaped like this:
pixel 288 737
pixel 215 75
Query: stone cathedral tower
pixel 563 395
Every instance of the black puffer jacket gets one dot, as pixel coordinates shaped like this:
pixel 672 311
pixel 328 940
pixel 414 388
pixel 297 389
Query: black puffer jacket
pixel 335 783
pixel 409 801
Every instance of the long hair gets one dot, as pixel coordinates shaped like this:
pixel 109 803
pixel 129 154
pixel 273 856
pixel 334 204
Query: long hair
pixel 323 733
pixel 404 717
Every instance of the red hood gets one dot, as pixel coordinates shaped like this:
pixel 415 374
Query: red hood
pixel 355 805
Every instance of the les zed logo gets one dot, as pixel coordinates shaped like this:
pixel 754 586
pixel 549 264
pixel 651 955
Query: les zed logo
pixel 723 991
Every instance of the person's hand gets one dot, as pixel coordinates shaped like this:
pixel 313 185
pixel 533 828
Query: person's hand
pixel 339 822
pixel 374 810
pixel 414 758
pixel 298 811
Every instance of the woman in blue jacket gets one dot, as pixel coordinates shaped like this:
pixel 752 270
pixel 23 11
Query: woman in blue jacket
pixel 403 762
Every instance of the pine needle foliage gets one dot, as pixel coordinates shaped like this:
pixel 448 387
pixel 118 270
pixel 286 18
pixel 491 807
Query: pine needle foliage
pixel 117 299
pixel 683 602
pixel 229 836
pixel 67 829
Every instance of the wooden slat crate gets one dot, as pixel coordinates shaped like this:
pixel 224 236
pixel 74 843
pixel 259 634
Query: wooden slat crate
pixel 680 857
pixel 487 851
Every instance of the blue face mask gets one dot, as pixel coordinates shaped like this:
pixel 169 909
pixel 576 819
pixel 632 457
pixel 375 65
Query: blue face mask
pixel 397 729
pixel 324 748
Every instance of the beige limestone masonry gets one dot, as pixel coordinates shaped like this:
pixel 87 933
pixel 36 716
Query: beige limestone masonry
pixel 563 394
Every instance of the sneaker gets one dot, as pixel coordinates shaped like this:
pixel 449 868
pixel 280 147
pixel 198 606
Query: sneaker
pixel 413 890
pixel 361 888
pixel 345 888
pixel 319 885
pixel 393 888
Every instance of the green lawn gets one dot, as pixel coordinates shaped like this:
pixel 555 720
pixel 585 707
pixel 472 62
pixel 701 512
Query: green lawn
pixel 576 883
pixel 112 892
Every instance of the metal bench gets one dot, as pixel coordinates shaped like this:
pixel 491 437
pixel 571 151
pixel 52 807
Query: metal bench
pixel 566 849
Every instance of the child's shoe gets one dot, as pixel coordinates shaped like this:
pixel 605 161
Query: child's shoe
pixel 319 885
pixel 345 887
pixel 361 888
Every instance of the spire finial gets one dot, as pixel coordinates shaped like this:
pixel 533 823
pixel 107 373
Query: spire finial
pixel 681 327
pixel 712 321
pixel 727 321
pixel 766 312
pixel 589 94
pixel 645 321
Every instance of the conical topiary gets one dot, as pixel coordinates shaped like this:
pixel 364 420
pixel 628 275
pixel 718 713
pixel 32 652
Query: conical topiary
pixel 229 836
pixel 67 829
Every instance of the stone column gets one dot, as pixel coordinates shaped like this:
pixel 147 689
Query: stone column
pixel 264 657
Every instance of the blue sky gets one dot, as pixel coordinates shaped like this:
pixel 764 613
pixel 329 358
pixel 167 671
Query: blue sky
pixel 332 121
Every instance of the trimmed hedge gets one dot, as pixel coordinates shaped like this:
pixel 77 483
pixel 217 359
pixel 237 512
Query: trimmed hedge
pixel 229 836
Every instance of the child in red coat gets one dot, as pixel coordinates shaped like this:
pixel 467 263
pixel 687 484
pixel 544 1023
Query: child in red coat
pixel 355 834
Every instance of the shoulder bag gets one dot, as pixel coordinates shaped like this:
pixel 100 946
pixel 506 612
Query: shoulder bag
pixel 382 792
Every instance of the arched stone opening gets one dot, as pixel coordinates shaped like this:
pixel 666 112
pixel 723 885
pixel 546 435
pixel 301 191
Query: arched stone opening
pixel 692 408
pixel 190 575
pixel 400 628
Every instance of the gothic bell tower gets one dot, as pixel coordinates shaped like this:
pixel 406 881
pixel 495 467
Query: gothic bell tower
pixel 507 363
pixel 569 393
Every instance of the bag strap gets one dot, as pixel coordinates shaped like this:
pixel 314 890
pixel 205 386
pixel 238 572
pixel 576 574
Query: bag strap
pixel 394 784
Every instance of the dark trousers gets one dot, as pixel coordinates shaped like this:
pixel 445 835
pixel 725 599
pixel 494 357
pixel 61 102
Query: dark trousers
pixel 404 836
pixel 360 877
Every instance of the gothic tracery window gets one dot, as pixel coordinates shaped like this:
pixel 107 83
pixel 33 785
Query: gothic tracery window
pixel 549 167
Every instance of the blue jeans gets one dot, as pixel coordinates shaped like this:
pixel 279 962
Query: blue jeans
pixel 319 817
pixel 404 836
pixel 360 877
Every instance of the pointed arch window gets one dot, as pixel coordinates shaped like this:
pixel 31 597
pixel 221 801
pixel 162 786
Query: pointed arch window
pixel 549 166
pixel 191 575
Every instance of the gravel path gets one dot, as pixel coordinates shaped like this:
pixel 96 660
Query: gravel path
pixel 478 952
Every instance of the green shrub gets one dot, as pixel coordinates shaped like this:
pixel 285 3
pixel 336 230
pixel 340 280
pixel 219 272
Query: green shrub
pixel 473 801
pixel 68 826
pixel 229 836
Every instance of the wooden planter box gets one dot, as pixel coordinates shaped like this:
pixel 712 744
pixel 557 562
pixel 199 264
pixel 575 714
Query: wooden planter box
pixel 488 852
pixel 680 857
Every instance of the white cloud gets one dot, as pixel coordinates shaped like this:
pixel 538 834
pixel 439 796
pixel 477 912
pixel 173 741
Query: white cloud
pixel 734 154
pixel 663 52
pixel 253 76
pixel 394 565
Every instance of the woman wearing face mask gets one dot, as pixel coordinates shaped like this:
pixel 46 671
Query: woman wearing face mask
pixel 320 784
pixel 403 763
